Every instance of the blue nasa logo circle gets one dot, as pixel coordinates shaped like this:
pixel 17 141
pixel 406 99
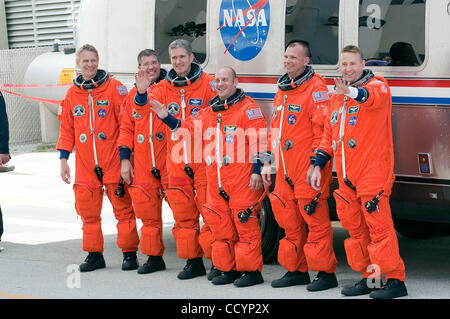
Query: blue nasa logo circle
pixel 194 111
pixel 292 119
pixel 244 27
pixel 352 120
pixel 102 113
pixel 229 139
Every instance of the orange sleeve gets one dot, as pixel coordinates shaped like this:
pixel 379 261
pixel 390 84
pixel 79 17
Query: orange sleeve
pixel 156 92
pixel 66 140
pixel 326 139
pixel 276 101
pixel 379 93
pixel 120 94
pixel 211 92
pixel 126 135
pixel 319 104
pixel 256 128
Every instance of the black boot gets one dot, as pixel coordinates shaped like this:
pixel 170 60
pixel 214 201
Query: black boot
pixel 323 281
pixel 92 262
pixel 249 278
pixel 213 273
pixel 226 277
pixel 394 288
pixel 194 268
pixel 130 261
pixel 291 279
pixel 154 263
pixel 360 288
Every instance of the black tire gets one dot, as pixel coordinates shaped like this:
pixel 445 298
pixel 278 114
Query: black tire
pixel 420 229
pixel 270 232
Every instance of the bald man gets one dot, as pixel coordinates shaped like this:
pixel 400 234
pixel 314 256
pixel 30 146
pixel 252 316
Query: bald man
pixel 234 182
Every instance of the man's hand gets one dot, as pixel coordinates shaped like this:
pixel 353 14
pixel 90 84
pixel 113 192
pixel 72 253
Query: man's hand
pixel 309 173
pixel 315 178
pixel 4 158
pixel 255 182
pixel 341 86
pixel 266 173
pixel 65 171
pixel 142 81
pixel 159 109
pixel 126 171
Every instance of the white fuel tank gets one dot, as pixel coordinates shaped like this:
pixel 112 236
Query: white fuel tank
pixel 51 68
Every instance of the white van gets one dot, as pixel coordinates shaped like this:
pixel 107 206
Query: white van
pixel 250 36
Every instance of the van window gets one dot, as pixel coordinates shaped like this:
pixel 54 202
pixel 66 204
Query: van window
pixel 314 21
pixel 392 32
pixel 180 19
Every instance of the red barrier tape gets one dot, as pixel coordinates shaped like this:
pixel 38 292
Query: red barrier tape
pixel 57 102
pixel 22 86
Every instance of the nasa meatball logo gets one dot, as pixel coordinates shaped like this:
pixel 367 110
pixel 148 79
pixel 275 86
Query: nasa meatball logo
pixel 244 26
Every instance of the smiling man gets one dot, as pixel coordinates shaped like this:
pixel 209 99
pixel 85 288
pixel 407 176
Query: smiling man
pixel 145 138
pixel 298 116
pixel 185 91
pixel 234 181
pixel 358 133
pixel 90 123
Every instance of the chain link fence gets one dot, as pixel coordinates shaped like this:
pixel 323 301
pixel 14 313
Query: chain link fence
pixel 23 114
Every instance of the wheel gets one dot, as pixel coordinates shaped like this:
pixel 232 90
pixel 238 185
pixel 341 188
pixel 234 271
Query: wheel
pixel 270 232
pixel 419 229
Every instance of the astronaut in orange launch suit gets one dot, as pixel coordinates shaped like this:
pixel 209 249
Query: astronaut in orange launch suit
pixel 358 133
pixel 90 121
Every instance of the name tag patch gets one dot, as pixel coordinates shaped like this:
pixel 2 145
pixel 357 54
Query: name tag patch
pixel 294 108
pixel 229 128
pixel 195 102
pixel 102 103
pixel 353 109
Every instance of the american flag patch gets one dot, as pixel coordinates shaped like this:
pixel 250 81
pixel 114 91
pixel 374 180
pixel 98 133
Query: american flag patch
pixel 254 114
pixel 321 96
pixel 122 90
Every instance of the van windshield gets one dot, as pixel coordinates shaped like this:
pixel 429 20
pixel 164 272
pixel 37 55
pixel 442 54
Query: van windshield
pixel 317 22
pixel 392 32
pixel 181 19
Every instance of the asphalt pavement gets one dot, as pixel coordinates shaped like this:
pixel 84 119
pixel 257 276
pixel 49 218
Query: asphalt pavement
pixel 42 248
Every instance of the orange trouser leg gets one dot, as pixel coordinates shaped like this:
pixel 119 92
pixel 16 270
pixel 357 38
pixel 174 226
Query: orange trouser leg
pixel 318 249
pixel 186 229
pixel 219 219
pixel 383 247
pixel 147 206
pixel 288 217
pixel 88 204
pixel 127 236
pixel 206 237
pixel 348 208
pixel 248 253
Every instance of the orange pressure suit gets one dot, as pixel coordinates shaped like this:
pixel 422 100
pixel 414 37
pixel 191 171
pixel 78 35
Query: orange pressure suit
pixel 297 122
pixel 186 194
pixel 90 122
pixel 360 136
pixel 141 133
pixel 241 128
